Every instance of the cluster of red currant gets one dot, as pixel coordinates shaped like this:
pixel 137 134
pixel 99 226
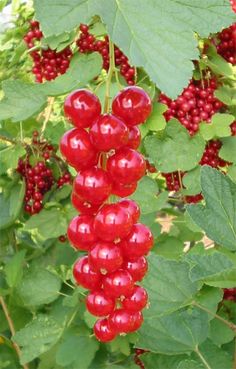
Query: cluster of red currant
pixel 137 359
pixel 227 44
pixel 88 43
pixel 229 294
pixel 47 64
pixel 197 103
pixel 104 156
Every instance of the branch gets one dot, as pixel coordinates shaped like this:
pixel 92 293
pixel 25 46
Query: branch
pixel 12 329
pixel 47 114
pixel 9 140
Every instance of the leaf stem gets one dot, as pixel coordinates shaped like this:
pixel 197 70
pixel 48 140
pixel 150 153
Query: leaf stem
pixel 203 360
pixel 47 114
pixel 12 329
pixel 226 322
pixel 6 139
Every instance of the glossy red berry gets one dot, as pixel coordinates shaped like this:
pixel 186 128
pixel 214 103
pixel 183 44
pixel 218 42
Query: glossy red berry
pixel 139 241
pixel 80 232
pixel 102 331
pixel 77 149
pixel 137 320
pixel 123 190
pixel 118 283
pixel 112 222
pixel 126 166
pixel 83 207
pixel 93 185
pixel 109 132
pixel 82 108
pixel 121 321
pixel 132 207
pixel 99 303
pixel 132 105
pixel 137 268
pixel 137 301
pixel 85 276
pixel 105 257
pixel 134 137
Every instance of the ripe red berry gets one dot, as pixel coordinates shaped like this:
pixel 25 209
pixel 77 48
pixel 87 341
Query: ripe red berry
pixel 77 149
pixel 123 190
pixel 137 268
pixel 137 301
pixel 83 207
pixel 82 108
pixel 105 257
pixel 134 137
pixel 126 166
pixel 102 331
pixel 118 283
pixel 137 320
pixel 80 232
pixel 138 243
pixel 109 132
pixel 112 222
pixel 85 276
pixel 132 207
pixel 99 303
pixel 121 321
pixel 93 185
pixel 132 105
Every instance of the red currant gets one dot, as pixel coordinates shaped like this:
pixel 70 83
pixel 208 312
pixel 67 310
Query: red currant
pixel 102 331
pixel 105 257
pixel 134 137
pixel 85 276
pixel 137 301
pixel 118 283
pixel 138 242
pixel 80 232
pixel 121 321
pixel 137 320
pixel 137 268
pixel 132 207
pixel 82 206
pixel 122 190
pixel 99 304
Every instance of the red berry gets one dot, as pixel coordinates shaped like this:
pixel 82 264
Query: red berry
pixel 82 206
pixel 132 207
pixel 93 185
pixel 80 232
pixel 123 190
pixel 102 331
pixel 99 304
pixel 108 132
pixel 138 242
pixel 82 107
pixel 77 149
pixel 137 301
pixel 112 222
pixel 121 321
pixel 132 105
pixel 134 137
pixel 105 257
pixel 62 238
pixel 85 276
pixel 118 283
pixel 137 320
pixel 126 166
pixel 137 268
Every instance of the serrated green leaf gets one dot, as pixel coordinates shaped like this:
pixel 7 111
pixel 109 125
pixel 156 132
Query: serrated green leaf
pixel 176 149
pixel 156 121
pixel 176 333
pixel 215 357
pixel 232 173
pixel 217 218
pixel 220 333
pixel 156 361
pixel 191 181
pixel 38 287
pixel 228 149
pixel 9 157
pixel 209 297
pixel 219 126
pixel 11 204
pixel 190 364
pixel 13 269
pixel 224 280
pixel 165 21
pixel 169 247
pixel 226 94
pixel 37 337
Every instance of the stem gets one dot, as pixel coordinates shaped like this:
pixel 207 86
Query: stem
pixel 47 114
pixel 37 47
pixel 21 133
pixel 226 322
pixel 6 139
pixel 12 329
pixel 109 76
pixel 202 358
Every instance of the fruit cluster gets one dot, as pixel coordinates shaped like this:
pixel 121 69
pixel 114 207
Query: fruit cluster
pixel 229 294
pixel 104 156
pixel 227 44
pixel 47 64
pixel 88 43
pixel 137 359
pixel 197 103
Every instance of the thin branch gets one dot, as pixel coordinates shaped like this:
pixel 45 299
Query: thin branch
pixel 9 140
pixel 12 329
pixel 47 114
pixel 203 360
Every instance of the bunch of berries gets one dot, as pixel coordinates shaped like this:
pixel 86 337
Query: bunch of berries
pixel 47 64
pixel 88 43
pixel 227 44
pixel 101 148
pixel 137 359
pixel 196 104
pixel 211 155
pixel 229 294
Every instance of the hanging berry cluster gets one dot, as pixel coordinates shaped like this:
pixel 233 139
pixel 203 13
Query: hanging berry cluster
pixel 47 64
pixel 38 177
pixel 88 43
pixel 227 44
pixel 107 163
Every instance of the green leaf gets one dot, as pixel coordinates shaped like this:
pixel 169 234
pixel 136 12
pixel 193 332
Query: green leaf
pixel 165 21
pixel 209 297
pixel 232 173
pixel 10 205
pixel 168 285
pixel 215 357
pixel 190 364
pixel 37 337
pixel 169 247
pixel 217 217
pixel 176 149
pixel 156 122
pixel 9 157
pixel 76 349
pixel 14 270
pixel 191 181
pixel 220 333
pixel 217 63
pixel 228 149
pixel 49 223
pixel 227 95
pixel 38 287
pixel 224 280
pixel 219 126
pixel 176 333
pixel 156 361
